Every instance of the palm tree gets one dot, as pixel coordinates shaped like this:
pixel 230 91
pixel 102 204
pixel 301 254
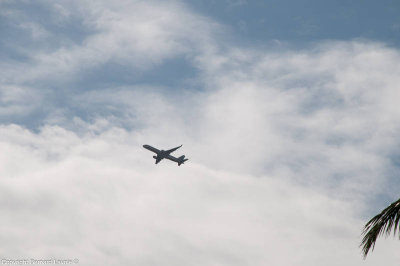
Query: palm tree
pixel 381 224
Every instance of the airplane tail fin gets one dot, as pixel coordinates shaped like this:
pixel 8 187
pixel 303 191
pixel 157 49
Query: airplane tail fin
pixel 182 160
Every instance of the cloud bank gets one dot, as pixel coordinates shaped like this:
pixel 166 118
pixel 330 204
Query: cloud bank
pixel 290 150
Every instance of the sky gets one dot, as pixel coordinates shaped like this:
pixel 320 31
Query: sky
pixel 287 111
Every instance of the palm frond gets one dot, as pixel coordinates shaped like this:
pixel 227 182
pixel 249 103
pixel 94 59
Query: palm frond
pixel 381 224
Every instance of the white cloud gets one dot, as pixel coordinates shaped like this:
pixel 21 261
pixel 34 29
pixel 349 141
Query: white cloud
pixel 102 200
pixel 287 148
pixel 138 34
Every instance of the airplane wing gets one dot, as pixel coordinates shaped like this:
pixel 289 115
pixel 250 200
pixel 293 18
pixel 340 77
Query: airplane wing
pixel 148 147
pixel 172 150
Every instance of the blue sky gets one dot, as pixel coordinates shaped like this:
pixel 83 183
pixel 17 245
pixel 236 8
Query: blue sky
pixel 287 111
pixel 304 22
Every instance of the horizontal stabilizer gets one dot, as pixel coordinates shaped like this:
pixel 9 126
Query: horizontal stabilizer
pixel 181 160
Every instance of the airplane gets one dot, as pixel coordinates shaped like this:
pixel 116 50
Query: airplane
pixel 161 154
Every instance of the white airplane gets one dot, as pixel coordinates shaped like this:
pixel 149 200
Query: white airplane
pixel 161 154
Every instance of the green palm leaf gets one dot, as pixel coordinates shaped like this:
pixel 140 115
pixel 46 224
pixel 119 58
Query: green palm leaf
pixel 382 223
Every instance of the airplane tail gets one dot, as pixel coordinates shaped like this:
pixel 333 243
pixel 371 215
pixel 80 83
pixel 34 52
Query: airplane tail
pixel 182 160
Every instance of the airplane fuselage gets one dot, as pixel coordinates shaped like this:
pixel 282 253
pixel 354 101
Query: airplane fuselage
pixel 165 154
